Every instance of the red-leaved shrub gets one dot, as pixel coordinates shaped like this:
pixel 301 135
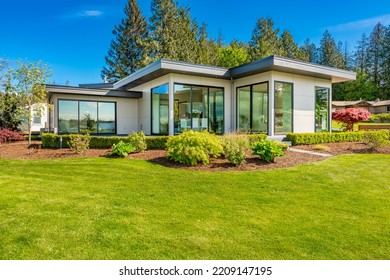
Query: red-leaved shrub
pixel 7 135
pixel 351 116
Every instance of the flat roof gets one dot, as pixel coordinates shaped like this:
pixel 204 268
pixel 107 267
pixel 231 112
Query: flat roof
pixel 162 67
pixel 92 91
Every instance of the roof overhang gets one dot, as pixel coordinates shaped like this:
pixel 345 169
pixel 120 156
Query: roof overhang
pixel 163 67
pixel 54 89
pixel 287 65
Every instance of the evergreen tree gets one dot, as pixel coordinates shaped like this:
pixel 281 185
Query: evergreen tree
pixel 376 53
pixel 288 47
pixel 207 48
pixel 360 56
pixel 129 48
pixel 186 36
pixel 309 52
pixel 264 41
pixel 329 54
pixel 385 73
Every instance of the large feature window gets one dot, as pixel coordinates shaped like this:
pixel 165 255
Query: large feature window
pixel 252 108
pixel 283 108
pixel 160 110
pixel 81 116
pixel 322 109
pixel 198 108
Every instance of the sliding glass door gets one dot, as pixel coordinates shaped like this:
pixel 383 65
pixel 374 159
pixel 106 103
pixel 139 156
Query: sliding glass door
pixel 322 109
pixel 283 121
pixel 252 108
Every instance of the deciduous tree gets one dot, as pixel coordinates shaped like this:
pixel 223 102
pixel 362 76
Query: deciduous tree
pixel 28 82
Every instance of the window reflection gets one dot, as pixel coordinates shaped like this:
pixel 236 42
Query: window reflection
pixel 86 116
pixel 283 107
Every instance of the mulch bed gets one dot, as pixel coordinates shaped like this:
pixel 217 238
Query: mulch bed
pixel 20 150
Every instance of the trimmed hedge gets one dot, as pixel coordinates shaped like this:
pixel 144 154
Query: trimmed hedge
pixel 325 137
pixel 157 142
pixel 50 140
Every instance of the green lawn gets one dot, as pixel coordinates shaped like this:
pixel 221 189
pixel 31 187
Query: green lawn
pixel 131 209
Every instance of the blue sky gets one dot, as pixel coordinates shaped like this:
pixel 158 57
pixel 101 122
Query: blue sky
pixel 73 36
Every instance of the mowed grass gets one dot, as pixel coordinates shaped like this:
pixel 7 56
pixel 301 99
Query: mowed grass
pixel 101 208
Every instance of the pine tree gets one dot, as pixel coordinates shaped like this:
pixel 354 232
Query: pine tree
pixel 129 48
pixel 385 66
pixel 376 52
pixel 288 47
pixel 264 41
pixel 360 56
pixel 309 52
pixel 207 48
pixel 329 54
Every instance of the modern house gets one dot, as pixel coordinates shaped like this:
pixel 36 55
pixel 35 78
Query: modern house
pixel 374 107
pixel 274 95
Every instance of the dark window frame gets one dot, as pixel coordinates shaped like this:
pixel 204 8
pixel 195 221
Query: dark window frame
pixel 151 110
pixel 78 114
pixel 251 105
pixel 208 101
pixel 292 106
pixel 329 108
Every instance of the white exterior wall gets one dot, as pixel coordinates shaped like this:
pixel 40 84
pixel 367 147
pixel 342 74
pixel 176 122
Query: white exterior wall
pixel 35 126
pixel 126 110
pixel 303 97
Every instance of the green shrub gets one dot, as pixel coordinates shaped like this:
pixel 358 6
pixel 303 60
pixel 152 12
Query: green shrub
pixel 192 147
pixel 267 150
pixel 79 143
pixel 156 142
pixel 284 146
pixel 105 142
pixel 381 117
pixel 234 148
pixel 324 137
pixel 51 140
pixel 257 137
pixel 122 149
pixel 138 140
pixel 377 139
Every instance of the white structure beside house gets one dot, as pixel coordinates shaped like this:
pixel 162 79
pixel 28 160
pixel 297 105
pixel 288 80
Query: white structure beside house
pixel 274 95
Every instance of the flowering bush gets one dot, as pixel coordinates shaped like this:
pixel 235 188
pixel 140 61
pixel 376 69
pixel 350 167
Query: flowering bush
pixel 351 116
pixel 7 135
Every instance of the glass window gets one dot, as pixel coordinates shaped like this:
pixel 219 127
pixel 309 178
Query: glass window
pixel 260 107
pixel 88 117
pixel 216 110
pixel 160 110
pixel 322 109
pixel 283 107
pixel 244 105
pixel 253 108
pixel 82 116
pixel 106 117
pixel 68 116
pixel 198 108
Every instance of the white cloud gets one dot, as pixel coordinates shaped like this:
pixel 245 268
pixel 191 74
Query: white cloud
pixel 361 24
pixel 90 13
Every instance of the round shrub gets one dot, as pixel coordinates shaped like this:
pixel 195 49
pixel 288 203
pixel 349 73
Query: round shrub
pixel 234 148
pixel 192 147
pixel 138 141
pixel 267 150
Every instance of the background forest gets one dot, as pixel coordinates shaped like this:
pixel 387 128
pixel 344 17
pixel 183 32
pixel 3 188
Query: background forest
pixel 172 33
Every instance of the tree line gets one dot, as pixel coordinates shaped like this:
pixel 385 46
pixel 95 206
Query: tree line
pixel 172 33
